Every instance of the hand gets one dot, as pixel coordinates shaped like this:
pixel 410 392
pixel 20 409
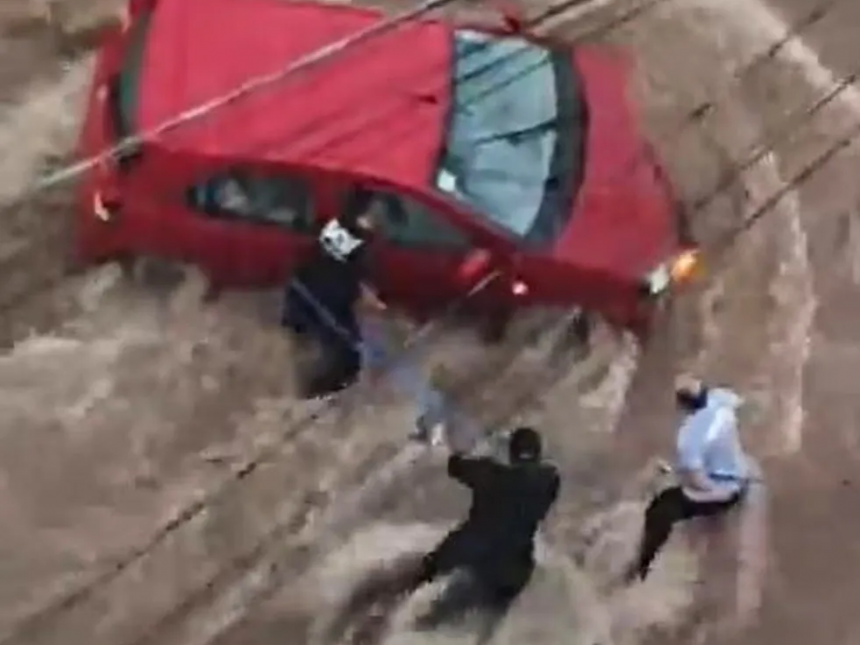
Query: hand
pixel 694 480
pixel 691 479
pixel 371 299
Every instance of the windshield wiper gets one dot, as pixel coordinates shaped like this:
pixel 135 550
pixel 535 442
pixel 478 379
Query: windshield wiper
pixel 513 135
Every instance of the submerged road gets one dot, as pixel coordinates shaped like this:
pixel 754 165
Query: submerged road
pixel 166 397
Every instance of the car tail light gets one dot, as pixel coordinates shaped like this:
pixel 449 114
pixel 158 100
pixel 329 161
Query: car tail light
pixel 519 288
pixel 679 269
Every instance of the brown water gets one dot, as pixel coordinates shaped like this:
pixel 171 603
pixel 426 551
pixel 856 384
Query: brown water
pixel 130 400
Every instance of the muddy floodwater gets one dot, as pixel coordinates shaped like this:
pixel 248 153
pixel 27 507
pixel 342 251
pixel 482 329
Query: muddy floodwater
pixel 160 484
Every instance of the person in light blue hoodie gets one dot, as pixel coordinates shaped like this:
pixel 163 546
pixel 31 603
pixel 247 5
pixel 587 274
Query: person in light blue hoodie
pixel 712 469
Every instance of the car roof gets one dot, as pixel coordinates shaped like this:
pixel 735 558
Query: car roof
pixel 376 109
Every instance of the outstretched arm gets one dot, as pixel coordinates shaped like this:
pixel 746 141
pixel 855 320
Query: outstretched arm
pixel 470 471
pixel 370 298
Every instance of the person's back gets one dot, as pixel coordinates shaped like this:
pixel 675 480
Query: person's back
pixel 708 441
pixel 511 501
pixel 508 501
pixel 494 545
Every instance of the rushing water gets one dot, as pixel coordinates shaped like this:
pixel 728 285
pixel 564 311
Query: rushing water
pixel 143 400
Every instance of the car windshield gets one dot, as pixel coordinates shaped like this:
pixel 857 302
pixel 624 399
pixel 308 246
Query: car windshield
pixel 515 139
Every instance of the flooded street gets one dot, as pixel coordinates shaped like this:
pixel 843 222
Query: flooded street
pixel 159 484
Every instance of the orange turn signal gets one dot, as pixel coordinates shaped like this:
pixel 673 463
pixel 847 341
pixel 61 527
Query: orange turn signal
pixel 685 266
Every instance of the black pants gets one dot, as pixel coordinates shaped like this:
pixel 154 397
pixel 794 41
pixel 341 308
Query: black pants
pixel 338 368
pixel 314 312
pixel 501 571
pixel 667 508
pixel 337 334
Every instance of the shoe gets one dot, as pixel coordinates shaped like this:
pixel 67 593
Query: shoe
pixel 431 435
pixel 421 431
pixel 438 436
pixel 418 435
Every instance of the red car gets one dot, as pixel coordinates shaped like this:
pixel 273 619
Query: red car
pixel 481 149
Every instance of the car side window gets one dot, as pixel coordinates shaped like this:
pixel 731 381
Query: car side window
pixel 407 222
pixel 256 198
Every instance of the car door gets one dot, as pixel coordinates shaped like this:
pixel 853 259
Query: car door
pixel 253 223
pixel 417 252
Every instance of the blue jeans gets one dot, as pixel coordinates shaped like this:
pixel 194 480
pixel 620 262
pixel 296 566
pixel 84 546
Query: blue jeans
pixel 376 349
pixel 378 353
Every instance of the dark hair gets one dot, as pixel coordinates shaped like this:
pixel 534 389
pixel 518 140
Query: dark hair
pixel 692 401
pixel 525 445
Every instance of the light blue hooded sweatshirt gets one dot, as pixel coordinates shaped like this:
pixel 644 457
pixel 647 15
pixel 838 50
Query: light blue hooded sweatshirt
pixel 708 442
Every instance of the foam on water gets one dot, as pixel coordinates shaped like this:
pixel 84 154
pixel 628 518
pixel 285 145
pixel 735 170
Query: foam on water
pixel 751 25
pixel 742 29
pixel 752 559
pixel 63 375
pixel 609 396
pixel 563 605
pixel 791 325
pixel 779 386
pixel 42 124
pixel 566 605
pixel 100 420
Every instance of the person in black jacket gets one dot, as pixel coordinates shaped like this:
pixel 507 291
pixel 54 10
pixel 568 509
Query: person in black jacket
pixel 494 544
pixel 322 296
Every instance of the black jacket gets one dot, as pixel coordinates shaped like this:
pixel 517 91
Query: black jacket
pixel 331 275
pixel 508 502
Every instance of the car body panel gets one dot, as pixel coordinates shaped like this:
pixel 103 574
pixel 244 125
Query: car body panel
pixel 368 117
pixel 351 117
pixel 364 112
pixel 626 220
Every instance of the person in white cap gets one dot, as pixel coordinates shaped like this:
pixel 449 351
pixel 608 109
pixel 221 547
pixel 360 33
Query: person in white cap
pixel 712 469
